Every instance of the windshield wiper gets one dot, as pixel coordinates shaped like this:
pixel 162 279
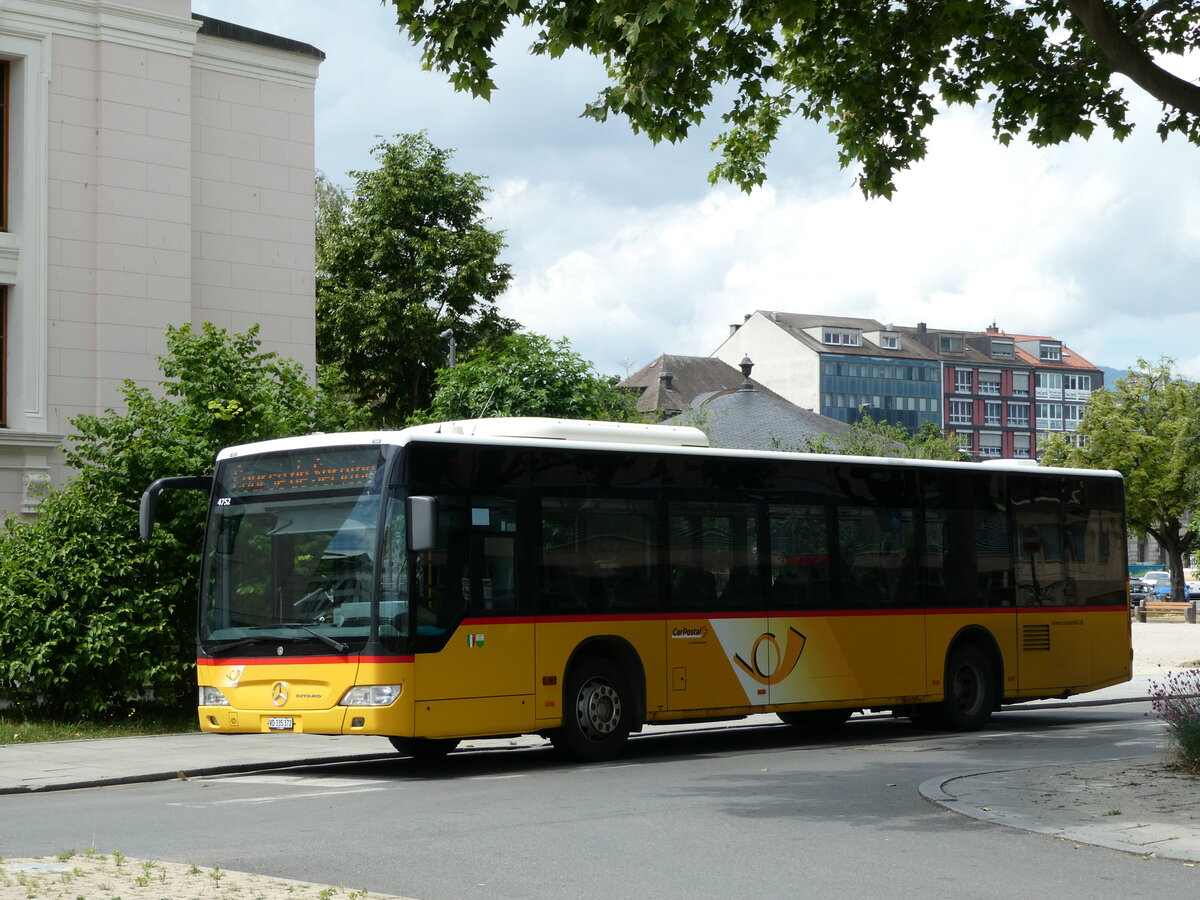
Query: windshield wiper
pixel 222 649
pixel 323 638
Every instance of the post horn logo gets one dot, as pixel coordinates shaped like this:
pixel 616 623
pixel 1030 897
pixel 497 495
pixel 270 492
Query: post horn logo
pixel 787 659
pixel 279 693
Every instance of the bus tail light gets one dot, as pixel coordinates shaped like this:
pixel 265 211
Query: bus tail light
pixel 211 696
pixel 372 695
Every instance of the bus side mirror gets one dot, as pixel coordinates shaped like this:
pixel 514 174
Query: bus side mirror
pixel 422 523
pixel 149 504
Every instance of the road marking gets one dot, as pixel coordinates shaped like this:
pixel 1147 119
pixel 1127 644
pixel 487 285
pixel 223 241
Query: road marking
pixel 308 795
pixel 296 779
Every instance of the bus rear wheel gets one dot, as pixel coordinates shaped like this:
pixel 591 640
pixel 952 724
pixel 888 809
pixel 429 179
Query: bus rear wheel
pixel 970 689
pixel 597 714
pixel 970 686
pixel 424 748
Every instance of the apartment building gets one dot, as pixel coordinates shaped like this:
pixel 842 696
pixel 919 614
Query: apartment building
pixel 996 392
pixel 839 366
pixel 157 169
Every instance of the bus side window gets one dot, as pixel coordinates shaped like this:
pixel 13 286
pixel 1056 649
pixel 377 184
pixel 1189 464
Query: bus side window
pixel 597 555
pixel 714 556
pixel 800 571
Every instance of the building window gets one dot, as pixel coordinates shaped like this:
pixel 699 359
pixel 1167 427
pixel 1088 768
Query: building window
pixel 842 338
pixel 960 412
pixel 1050 416
pixel 1020 384
pixel 1050 380
pixel 1049 385
pixel 989 383
pixel 1018 415
pixel 1072 415
pixel 989 443
pixel 1076 387
pixel 3 357
pixel 991 412
pixel 1021 446
pixel 962 381
pixel 950 344
pixel 965 441
pixel 1050 352
pixel 4 145
pixel 889 341
pixel 1002 350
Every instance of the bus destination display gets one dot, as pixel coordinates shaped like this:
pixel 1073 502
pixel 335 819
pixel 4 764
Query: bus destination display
pixel 291 473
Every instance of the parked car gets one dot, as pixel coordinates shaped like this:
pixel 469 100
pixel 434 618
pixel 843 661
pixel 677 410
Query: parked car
pixel 1160 583
pixel 1139 593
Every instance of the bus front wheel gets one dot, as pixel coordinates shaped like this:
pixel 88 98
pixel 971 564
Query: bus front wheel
pixel 597 714
pixel 424 748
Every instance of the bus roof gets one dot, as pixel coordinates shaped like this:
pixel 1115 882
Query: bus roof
pixel 580 434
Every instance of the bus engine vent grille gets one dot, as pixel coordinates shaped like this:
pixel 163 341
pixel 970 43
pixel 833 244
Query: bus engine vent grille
pixel 1036 637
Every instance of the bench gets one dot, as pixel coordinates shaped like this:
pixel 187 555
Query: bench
pixel 1166 607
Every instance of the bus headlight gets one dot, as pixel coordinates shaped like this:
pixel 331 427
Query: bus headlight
pixel 211 696
pixel 372 695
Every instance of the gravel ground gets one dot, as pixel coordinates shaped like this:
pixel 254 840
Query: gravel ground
pixel 1165 645
pixel 1158 647
pixel 93 876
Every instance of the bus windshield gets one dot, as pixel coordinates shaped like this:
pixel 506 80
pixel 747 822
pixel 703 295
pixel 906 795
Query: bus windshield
pixel 290 554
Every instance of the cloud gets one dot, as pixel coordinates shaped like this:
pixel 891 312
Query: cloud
pixel 624 248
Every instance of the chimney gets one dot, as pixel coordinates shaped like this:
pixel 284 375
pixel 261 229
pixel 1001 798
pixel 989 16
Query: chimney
pixel 992 329
pixel 921 328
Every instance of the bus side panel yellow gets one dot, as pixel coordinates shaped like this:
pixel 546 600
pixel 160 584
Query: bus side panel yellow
pixel 481 659
pixel 1053 648
pixel 1111 659
pixel 941 630
pixel 557 641
pixel 702 672
pixel 475 716
pixel 833 658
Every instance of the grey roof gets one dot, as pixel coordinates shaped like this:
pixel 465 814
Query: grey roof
pixel 749 419
pixel 690 377
pixel 796 323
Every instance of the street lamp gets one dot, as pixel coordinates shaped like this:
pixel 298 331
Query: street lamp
pixel 448 335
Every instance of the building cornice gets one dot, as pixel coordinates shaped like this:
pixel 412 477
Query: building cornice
pixel 104 20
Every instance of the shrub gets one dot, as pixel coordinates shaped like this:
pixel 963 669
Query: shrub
pixel 90 615
pixel 1176 701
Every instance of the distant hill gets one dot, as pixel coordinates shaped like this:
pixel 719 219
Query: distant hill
pixel 1111 375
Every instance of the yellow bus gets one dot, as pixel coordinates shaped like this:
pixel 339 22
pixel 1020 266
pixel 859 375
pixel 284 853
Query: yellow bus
pixel 580 580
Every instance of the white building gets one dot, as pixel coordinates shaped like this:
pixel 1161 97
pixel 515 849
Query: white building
pixel 157 169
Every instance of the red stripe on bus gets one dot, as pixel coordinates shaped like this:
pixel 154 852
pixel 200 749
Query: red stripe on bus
pixel 297 660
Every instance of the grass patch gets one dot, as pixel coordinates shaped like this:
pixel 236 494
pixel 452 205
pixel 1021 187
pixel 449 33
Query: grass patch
pixel 22 727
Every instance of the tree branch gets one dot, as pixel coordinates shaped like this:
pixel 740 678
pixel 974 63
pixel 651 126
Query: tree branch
pixel 1126 57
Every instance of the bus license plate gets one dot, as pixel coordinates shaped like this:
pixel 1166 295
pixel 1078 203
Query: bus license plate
pixel 281 723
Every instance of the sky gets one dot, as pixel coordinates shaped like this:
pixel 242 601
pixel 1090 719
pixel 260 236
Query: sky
pixel 626 250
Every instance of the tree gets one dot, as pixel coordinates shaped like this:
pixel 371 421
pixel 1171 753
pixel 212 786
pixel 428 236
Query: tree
pixel 868 437
pixel 875 71
pixel 527 374
pixel 1148 429
pixel 89 613
pixel 400 261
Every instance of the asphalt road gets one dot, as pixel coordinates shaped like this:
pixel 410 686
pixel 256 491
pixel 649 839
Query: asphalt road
pixel 755 812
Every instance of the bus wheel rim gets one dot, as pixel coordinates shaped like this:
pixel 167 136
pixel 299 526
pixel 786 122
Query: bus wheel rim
pixel 966 689
pixel 598 709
